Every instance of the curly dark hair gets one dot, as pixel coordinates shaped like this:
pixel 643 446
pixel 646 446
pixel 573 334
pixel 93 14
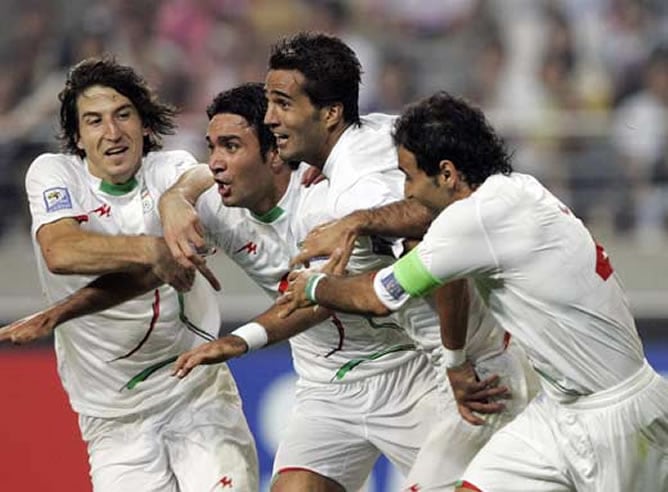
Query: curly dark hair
pixel 249 102
pixel 331 69
pixel 445 127
pixel 155 115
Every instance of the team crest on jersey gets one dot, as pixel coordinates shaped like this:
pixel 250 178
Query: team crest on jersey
pixel 57 198
pixel 147 201
pixel 392 286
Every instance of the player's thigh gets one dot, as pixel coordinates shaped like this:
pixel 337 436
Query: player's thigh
pixel 407 405
pixel 450 446
pixel 124 454
pixel 327 446
pixel 295 480
pixel 209 443
pixel 522 456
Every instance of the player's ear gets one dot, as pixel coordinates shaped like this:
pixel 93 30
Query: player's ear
pixel 274 161
pixel 333 114
pixel 448 173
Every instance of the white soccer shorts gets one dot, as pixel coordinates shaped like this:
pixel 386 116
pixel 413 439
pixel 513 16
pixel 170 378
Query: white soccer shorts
pixel 200 444
pixel 339 430
pixel 614 440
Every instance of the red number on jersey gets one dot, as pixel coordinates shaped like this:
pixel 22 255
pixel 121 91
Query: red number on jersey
pixel 603 266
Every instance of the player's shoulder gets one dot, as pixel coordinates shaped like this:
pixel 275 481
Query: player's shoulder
pixel 175 157
pixel 378 121
pixel 55 163
pixel 56 159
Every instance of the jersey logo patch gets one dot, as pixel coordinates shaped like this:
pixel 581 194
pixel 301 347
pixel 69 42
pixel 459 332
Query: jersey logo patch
pixel 57 198
pixel 250 247
pixel 392 286
pixel 226 482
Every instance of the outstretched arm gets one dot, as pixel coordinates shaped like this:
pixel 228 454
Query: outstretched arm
pixel 266 329
pixel 100 294
pixel 404 218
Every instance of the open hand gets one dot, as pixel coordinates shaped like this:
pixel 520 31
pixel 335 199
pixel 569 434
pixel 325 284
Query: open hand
pixel 214 352
pixel 28 329
pixel 324 239
pixel 473 395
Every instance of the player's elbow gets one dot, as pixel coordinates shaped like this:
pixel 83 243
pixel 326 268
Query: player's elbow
pixel 57 261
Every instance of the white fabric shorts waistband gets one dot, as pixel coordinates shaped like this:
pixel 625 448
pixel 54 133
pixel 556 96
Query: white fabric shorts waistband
pixel 617 393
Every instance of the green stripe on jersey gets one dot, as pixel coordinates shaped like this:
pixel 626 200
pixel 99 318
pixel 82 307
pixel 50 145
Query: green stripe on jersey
pixel 269 216
pixel 144 375
pixel 353 363
pixel 118 189
pixel 413 276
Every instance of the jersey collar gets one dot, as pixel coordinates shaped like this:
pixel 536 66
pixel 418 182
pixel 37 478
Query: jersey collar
pixel 118 189
pixel 270 216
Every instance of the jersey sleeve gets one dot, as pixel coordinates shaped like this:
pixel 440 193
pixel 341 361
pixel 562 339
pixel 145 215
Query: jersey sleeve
pixel 373 190
pixel 52 186
pixel 455 246
pixel 175 163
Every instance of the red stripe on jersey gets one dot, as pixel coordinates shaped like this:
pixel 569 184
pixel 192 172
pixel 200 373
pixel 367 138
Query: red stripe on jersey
pixel 81 218
pixel 463 484
pixel 154 319
pixel 506 340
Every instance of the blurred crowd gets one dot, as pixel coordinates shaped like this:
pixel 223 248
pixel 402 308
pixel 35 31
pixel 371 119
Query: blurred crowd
pixel 579 88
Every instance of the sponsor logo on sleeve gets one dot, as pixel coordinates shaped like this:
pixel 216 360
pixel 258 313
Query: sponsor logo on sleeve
pixel 57 198
pixel 392 286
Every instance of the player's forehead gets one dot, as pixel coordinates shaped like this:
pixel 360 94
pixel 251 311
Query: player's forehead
pixel 287 83
pixel 230 125
pixel 100 99
pixel 407 160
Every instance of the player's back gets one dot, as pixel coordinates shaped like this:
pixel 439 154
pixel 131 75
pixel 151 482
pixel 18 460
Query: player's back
pixel 555 287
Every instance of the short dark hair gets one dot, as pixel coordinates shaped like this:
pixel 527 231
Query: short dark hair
pixel 331 69
pixel 155 115
pixel 249 102
pixel 444 127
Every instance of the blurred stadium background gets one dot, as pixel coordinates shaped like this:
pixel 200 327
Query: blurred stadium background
pixel 579 88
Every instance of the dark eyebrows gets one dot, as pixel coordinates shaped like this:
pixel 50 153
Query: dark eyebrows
pixel 223 139
pixel 97 114
pixel 278 93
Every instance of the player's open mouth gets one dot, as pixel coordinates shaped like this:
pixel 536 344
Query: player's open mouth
pixel 115 151
pixel 224 189
pixel 280 139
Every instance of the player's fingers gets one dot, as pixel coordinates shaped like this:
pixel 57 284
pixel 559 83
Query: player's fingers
pixel 492 380
pixel 469 416
pixel 284 298
pixel 5 333
pixel 486 408
pixel 183 252
pixel 302 258
pixel 209 276
pixel 494 392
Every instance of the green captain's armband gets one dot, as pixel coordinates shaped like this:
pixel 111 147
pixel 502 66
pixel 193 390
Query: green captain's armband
pixel 413 276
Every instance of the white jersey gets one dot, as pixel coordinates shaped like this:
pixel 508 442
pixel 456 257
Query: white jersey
pixel 343 348
pixel 102 357
pixel 543 277
pixel 363 171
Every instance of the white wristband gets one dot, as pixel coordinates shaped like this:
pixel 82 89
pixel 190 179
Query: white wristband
pixel 311 285
pixel 453 358
pixel 254 334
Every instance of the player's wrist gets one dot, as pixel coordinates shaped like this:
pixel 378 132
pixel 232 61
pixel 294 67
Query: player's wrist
pixel 453 358
pixel 254 334
pixel 311 286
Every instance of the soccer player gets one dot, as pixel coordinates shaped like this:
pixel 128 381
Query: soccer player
pixel 600 422
pixel 335 360
pixel 94 211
